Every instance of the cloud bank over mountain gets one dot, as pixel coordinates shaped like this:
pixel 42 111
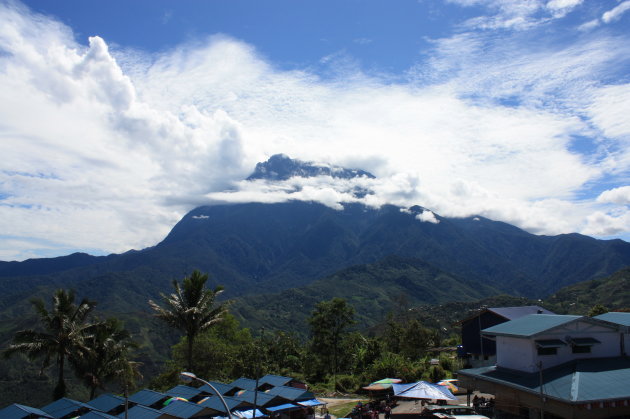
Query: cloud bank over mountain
pixel 105 147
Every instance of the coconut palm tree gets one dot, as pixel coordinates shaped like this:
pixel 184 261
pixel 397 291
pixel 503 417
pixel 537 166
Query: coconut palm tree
pixel 107 357
pixel 191 309
pixel 62 336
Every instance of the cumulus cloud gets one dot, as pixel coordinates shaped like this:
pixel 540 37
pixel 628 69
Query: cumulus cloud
pixel 106 148
pixel 428 217
pixel 620 196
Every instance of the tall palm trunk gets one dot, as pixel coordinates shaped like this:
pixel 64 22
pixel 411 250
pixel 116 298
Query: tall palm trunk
pixel 189 356
pixel 60 388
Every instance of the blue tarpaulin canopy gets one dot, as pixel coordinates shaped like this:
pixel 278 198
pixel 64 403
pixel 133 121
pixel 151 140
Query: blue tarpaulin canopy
pixel 423 390
pixel 312 402
pixel 283 407
pixel 248 414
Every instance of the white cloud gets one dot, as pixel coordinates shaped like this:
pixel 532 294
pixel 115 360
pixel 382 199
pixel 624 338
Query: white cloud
pixel 616 13
pixel 603 224
pixel 107 149
pixel 428 217
pixel 620 196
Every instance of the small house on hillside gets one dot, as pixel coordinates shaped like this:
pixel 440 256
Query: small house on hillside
pixel 566 366
pixel 479 351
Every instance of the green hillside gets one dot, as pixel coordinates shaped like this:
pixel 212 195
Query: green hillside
pixel 613 292
pixel 374 290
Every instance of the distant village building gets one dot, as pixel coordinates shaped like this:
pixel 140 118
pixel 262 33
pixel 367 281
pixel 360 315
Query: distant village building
pixel 478 351
pixel 565 366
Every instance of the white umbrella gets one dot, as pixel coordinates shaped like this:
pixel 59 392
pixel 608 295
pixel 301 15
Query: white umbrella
pixel 423 390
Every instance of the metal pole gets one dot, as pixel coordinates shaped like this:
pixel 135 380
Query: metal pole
pixel 190 376
pixel 262 334
pixel 542 393
pixel 126 401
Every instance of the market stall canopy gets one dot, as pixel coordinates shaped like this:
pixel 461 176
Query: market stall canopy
pixel 384 384
pixel 423 390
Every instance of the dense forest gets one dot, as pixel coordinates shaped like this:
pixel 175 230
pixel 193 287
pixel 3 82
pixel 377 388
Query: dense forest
pixel 71 352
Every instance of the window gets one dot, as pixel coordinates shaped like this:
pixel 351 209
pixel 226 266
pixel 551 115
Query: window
pixel 547 351
pixel 581 349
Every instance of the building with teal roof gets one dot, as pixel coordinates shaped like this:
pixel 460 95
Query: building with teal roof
pixel 567 366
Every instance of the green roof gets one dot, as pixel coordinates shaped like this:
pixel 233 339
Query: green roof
pixel 585 380
pixel 530 325
pixel 615 317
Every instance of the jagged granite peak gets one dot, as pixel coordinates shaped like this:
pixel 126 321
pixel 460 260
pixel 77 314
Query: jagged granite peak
pixel 282 167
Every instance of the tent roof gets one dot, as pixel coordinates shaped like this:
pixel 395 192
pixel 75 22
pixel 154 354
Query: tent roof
pixel 244 383
pixel 186 392
pixel 147 397
pixel 423 390
pixel 106 402
pixel 18 411
pixel 94 414
pixel 143 412
pixel 64 406
pixel 275 380
pixel 182 409
pixel 291 393
pixel 221 388
pixel 214 403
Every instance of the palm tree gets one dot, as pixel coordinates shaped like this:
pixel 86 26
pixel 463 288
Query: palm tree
pixel 191 309
pixel 108 346
pixel 63 335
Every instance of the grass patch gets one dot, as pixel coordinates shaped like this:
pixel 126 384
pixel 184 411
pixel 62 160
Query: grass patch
pixel 342 410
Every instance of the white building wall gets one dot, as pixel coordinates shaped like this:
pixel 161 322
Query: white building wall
pixel 522 354
pixel 515 353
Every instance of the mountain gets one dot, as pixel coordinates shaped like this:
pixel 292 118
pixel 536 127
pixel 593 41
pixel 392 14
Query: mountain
pixel 374 290
pixel 282 167
pixel 613 292
pixel 254 248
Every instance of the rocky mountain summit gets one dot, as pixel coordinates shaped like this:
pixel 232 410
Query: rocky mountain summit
pixel 282 167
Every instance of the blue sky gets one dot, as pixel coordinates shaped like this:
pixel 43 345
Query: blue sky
pixel 118 117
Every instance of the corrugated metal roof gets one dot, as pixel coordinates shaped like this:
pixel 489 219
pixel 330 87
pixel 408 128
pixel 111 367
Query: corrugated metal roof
pixel 512 313
pixel 183 410
pixel 530 325
pixel 244 383
pixel 221 388
pixel 106 402
pixel 186 392
pixel 262 399
pixel 214 403
pixel 291 393
pixel 97 415
pixel 143 412
pixel 581 381
pixel 18 411
pixel 275 380
pixel 65 406
pixel 620 318
pixel 147 397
